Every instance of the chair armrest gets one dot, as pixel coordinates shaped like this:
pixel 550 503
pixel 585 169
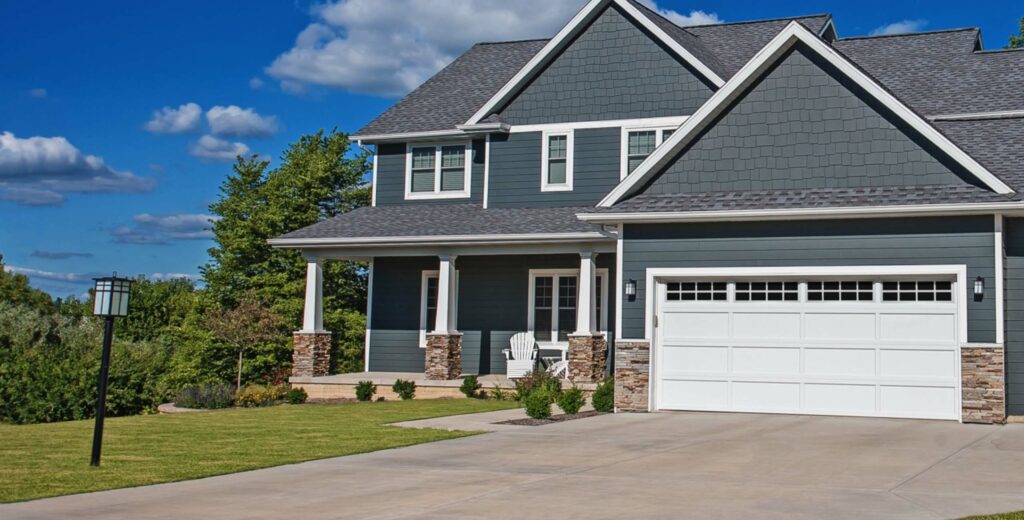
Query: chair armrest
pixel 508 353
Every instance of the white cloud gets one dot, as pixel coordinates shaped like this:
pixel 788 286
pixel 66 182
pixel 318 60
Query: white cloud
pixel 130 235
pixel 901 27
pixel 173 276
pixel 58 255
pixel 162 229
pixel 236 121
pixel 255 83
pixel 40 170
pixel 696 17
pixel 388 47
pixel 52 275
pixel 39 93
pixel 209 148
pixel 179 120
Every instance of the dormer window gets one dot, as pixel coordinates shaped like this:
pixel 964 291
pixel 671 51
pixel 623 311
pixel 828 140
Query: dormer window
pixel 638 143
pixel 439 171
pixel 556 161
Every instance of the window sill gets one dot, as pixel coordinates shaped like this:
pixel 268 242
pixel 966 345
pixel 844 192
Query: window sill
pixel 436 195
pixel 555 188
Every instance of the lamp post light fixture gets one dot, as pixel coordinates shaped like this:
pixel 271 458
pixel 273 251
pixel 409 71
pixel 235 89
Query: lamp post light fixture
pixel 111 301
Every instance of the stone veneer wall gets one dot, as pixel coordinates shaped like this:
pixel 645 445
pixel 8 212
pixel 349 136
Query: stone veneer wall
pixel 632 375
pixel 444 356
pixel 587 358
pixel 311 354
pixel 983 376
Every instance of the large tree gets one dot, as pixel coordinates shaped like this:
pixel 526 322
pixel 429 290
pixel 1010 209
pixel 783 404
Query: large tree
pixel 14 288
pixel 1017 42
pixel 319 177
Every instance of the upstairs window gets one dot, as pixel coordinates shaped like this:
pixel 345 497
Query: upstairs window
pixel 437 171
pixel 638 143
pixel 556 161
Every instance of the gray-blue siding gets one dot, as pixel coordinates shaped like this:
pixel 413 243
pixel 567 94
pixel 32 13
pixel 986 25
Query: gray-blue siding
pixel 391 176
pixel 493 305
pixel 921 241
pixel 613 70
pixel 1013 235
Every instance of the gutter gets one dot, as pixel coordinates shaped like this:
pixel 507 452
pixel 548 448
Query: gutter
pixel 459 131
pixel 441 240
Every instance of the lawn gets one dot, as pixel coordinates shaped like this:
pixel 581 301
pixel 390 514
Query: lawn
pixel 1019 515
pixel 43 460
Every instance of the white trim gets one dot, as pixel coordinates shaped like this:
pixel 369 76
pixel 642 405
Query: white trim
pixel 565 35
pixel 426 275
pixel 828 24
pixel 313 306
pixel 487 168
pixel 673 121
pixel 1000 273
pixel 369 317
pixel 618 283
pixel 373 182
pixel 801 213
pixel 407 136
pixel 659 138
pixel 602 321
pixel 996 114
pixel 417 240
pixel 793 33
pixel 569 152
pixel 464 193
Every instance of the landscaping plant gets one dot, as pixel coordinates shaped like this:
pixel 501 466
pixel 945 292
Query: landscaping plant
pixel 254 396
pixel 571 400
pixel 538 380
pixel 498 394
pixel 210 396
pixel 538 405
pixel 365 390
pixel 405 389
pixel 296 396
pixel 470 387
pixel 604 396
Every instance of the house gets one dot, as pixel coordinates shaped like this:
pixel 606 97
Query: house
pixel 758 216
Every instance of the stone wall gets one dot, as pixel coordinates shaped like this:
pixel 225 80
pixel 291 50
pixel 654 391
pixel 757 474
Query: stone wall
pixel 632 375
pixel 983 372
pixel 444 356
pixel 587 358
pixel 311 354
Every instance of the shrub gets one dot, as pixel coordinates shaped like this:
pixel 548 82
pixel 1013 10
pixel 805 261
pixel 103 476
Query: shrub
pixel 280 391
pixel 538 380
pixel 538 405
pixel 207 396
pixel 498 394
pixel 296 396
pixel 571 400
pixel 365 390
pixel 405 389
pixel 470 386
pixel 256 395
pixel 604 396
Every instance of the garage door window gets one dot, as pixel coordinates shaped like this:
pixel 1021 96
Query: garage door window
pixel 917 291
pixel 697 291
pixel 846 291
pixel 767 291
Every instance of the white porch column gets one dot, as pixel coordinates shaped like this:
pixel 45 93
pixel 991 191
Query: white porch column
pixel 446 294
pixel 585 302
pixel 313 315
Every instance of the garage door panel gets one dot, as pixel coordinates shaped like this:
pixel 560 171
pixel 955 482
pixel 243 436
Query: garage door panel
pixel 918 363
pixel 765 396
pixel 918 328
pixel 765 325
pixel 695 395
pixel 839 398
pixel 840 326
pixel 695 359
pixel 703 325
pixel 917 401
pixel 839 362
pixel 766 360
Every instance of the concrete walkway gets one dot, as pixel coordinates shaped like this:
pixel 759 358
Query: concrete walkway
pixel 618 466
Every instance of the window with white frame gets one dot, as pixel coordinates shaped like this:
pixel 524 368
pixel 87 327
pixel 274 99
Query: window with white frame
pixel 554 301
pixel 556 161
pixel 638 143
pixel 437 171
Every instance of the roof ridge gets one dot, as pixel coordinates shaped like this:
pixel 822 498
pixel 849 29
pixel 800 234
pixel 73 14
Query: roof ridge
pixel 762 20
pixel 936 31
pixel 995 51
pixel 524 40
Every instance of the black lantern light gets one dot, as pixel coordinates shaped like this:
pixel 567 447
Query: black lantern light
pixel 631 290
pixel 979 288
pixel 111 301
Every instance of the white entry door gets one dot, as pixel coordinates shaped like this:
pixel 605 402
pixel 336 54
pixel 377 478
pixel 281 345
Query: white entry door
pixel 884 347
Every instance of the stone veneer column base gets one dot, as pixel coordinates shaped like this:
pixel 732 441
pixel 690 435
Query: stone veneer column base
pixel 632 375
pixel 983 376
pixel 444 356
pixel 311 353
pixel 587 356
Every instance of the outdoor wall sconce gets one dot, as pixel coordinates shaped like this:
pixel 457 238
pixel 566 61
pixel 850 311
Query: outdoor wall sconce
pixel 631 290
pixel 979 288
pixel 111 300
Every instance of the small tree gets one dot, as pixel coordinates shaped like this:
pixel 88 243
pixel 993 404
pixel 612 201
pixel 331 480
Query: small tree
pixel 248 323
pixel 1017 42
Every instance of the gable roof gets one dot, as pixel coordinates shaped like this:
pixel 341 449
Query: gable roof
pixel 735 43
pixel 761 63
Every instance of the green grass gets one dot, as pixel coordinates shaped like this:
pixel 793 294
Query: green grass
pixel 1019 515
pixel 43 460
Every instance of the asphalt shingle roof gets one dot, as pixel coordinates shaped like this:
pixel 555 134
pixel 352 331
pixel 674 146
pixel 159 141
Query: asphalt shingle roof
pixel 444 220
pixel 735 43
pixel 998 144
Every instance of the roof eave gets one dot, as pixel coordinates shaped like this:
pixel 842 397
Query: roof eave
pixel 439 240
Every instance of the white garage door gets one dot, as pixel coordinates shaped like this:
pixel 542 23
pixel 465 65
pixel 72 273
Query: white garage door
pixel 871 347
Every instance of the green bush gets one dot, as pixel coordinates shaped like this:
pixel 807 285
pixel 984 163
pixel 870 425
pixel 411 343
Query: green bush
pixel 254 396
pixel 538 380
pixel 296 396
pixel 365 390
pixel 210 396
pixel 470 386
pixel 538 405
pixel 405 389
pixel 498 394
pixel 571 400
pixel 604 396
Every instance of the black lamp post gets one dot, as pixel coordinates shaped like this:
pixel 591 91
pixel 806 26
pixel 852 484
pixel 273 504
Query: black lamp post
pixel 111 301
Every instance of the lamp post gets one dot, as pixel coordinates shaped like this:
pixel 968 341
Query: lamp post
pixel 111 300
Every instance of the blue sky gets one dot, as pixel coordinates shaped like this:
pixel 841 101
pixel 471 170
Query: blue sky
pixel 92 181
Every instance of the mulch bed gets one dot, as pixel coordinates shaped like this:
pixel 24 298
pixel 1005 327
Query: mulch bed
pixel 552 420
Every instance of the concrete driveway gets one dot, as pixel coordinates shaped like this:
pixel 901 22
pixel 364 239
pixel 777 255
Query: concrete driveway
pixel 667 465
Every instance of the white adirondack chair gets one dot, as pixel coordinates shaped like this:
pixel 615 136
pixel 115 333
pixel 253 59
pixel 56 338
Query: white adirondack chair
pixel 521 356
pixel 559 367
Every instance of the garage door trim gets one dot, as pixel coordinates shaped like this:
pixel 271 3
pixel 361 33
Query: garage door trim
pixel 656 277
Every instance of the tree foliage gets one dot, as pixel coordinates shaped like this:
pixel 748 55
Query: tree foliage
pixel 15 288
pixel 1017 42
pixel 248 324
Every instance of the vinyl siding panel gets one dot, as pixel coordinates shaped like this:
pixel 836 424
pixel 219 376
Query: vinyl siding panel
pixel 516 168
pixel 806 126
pixel 966 240
pixel 391 176
pixel 613 70
pixel 1013 236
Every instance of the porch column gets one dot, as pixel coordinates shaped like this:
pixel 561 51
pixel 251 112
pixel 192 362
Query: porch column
pixel 444 343
pixel 311 346
pixel 587 347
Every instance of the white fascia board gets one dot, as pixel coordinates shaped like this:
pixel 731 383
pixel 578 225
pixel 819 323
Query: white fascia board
pixel 970 116
pixel 439 240
pixel 802 213
pixel 408 136
pixel 484 128
pixel 669 121
pixel 721 100
pixel 584 16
